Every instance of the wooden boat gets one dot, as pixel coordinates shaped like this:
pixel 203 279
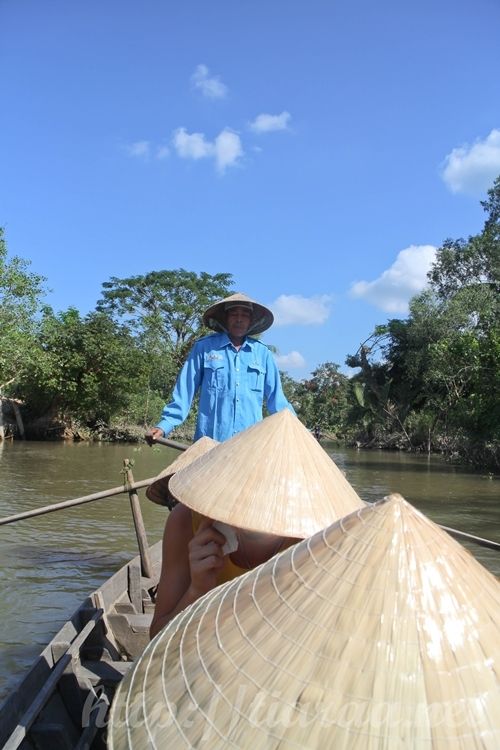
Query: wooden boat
pixel 64 699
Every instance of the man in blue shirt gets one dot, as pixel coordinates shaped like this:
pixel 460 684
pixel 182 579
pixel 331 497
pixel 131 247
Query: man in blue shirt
pixel 232 371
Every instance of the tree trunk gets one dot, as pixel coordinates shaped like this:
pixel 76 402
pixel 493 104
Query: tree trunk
pixel 19 419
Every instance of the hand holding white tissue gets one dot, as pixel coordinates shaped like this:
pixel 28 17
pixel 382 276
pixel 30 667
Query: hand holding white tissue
pixel 229 532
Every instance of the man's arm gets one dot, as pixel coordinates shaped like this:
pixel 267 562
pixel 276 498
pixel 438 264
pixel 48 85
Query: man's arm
pixel 273 390
pixel 188 381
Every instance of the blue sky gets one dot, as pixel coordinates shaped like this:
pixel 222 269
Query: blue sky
pixel 318 151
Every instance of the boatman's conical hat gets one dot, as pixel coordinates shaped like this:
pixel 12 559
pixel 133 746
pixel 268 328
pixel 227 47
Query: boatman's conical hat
pixel 273 477
pixel 379 632
pixel 215 316
pixel 158 491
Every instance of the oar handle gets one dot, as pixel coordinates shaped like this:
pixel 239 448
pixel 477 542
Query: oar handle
pixel 171 443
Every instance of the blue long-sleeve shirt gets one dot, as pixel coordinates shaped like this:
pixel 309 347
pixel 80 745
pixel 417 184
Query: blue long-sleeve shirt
pixel 232 384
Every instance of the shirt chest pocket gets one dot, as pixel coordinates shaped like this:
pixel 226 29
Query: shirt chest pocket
pixel 215 375
pixel 255 377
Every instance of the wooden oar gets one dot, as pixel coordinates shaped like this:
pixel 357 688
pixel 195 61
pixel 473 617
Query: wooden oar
pixel 471 538
pixel 76 501
pixel 171 444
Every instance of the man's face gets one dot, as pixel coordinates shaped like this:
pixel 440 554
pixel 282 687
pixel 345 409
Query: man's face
pixel 238 321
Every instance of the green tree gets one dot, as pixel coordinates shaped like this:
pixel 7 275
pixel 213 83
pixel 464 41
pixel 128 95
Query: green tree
pixel 464 365
pixel 164 308
pixel 463 372
pixel 374 406
pixel 436 374
pixel 85 368
pixel 323 399
pixel 20 300
pixel 461 263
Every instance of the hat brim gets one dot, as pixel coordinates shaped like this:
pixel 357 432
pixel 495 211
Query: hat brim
pixel 158 491
pixel 215 316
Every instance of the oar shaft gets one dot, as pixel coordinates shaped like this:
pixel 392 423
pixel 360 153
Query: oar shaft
pixel 471 538
pixel 76 501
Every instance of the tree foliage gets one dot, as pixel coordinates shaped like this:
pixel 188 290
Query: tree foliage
pixel 475 262
pixel 20 299
pixel 84 368
pixel 323 400
pixel 434 377
pixel 164 308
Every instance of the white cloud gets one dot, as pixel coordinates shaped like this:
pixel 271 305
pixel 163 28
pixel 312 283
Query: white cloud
pixel 293 309
pixel 139 149
pixel 406 277
pixel 210 86
pixel 265 123
pixel 472 169
pixel 292 361
pixel 192 145
pixel 226 149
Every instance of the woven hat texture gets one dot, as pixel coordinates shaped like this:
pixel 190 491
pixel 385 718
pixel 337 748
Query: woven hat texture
pixel 273 477
pixel 158 490
pixel 379 632
pixel 215 316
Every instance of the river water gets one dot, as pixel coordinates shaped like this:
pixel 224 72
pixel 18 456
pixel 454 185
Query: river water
pixel 50 563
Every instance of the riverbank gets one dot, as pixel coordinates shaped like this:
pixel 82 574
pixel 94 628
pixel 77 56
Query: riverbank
pixel 461 449
pixel 58 430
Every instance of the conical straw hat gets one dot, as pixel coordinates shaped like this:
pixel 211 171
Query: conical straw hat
pixel 379 632
pixel 158 490
pixel 215 316
pixel 272 477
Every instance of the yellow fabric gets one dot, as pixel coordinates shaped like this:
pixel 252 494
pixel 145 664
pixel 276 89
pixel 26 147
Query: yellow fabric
pixel 230 570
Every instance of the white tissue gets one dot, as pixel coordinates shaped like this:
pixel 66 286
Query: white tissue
pixel 231 544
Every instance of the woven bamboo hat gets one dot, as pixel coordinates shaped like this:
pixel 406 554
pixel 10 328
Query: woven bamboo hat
pixel 215 316
pixel 378 632
pixel 158 490
pixel 272 477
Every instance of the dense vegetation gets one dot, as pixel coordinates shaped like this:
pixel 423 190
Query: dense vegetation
pixel 429 382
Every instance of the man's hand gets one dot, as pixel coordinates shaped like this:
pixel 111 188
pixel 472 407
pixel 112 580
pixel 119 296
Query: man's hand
pixel 152 434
